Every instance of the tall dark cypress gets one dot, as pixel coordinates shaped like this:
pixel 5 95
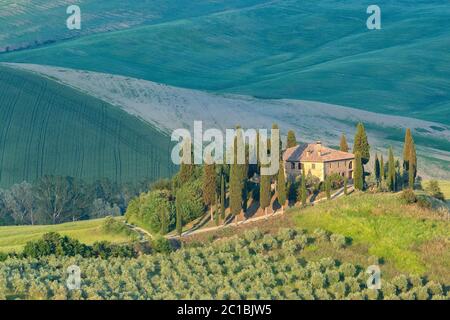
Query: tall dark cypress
pixel 264 193
pixel 391 171
pixel 291 139
pixel 235 191
pixel 377 169
pixel 358 173
pixel 343 144
pixel 281 187
pixel 222 197
pixel 209 187
pixel 179 215
pixel 407 149
pixel 361 144
pixel 302 193
pixel 328 188
pixel 412 171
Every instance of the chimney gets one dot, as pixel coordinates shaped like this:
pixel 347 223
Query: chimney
pixel 319 148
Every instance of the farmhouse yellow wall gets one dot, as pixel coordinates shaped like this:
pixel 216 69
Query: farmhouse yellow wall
pixel 317 171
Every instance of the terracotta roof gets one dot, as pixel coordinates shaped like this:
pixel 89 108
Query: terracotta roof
pixel 315 152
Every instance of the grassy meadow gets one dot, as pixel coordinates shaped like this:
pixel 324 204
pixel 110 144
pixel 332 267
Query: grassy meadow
pixel 412 239
pixel 88 232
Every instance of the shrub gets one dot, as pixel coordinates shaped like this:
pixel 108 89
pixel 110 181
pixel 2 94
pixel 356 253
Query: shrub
pixel 401 282
pixel 286 234
pixel 348 270
pixel 161 245
pixel 408 196
pixel 339 290
pixel 318 280
pixel 435 288
pixel 424 202
pixel 434 190
pixel 336 181
pixel 333 276
pixel 253 235
pixel 338 241
pixel 54 244
pixel 3 256
pixel 321 235
pixel 113 226
pixel 291 247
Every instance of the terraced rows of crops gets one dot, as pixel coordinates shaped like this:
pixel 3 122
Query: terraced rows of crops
pixel 256 266
pixel 48 128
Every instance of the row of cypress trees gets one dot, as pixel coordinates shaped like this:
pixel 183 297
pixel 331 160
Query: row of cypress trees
pixel 238 177
pixel 361 150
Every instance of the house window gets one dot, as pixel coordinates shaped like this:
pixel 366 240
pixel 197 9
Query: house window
pixel 292 165
pixel 350 166
pixel 299 166
pixel 313 166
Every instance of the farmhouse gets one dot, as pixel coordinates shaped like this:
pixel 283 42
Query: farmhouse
pixel 317 160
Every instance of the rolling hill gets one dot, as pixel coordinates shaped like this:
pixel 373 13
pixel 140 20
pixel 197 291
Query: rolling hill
pixel 168 108
pixel 49 128
pixel 29 24
pixel 309 50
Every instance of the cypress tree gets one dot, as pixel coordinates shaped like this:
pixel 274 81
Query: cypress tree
pixel 407 149
pixel 235 191
pixel 377 169
pixel 358 174
pixel 291 139
pixel 216 213
pixel 281 188
pixel 328 188
pixel 209 187
pixel 382 171
pixel 391 170
pixel 303 195
pixel 164 220
pixel 343 144
pixel 346 185
pixel 361 144
pixel 179 222
pixel 411 172
pixel 186 169
pixel 222 197
pixel 264 193
pixel 413 159
pixel 398 175
pixel 236 180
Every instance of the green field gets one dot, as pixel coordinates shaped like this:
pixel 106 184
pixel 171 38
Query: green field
pixel 307 50
pixel 445 188
pixel 25 24
pixel 412 239
pixel 88 232
pixel 49 128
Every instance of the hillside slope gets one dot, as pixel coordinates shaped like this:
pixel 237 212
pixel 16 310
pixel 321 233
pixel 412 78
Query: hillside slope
pixel 49 128
pixel 169 108
pixel 28 24
pixel 309 50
